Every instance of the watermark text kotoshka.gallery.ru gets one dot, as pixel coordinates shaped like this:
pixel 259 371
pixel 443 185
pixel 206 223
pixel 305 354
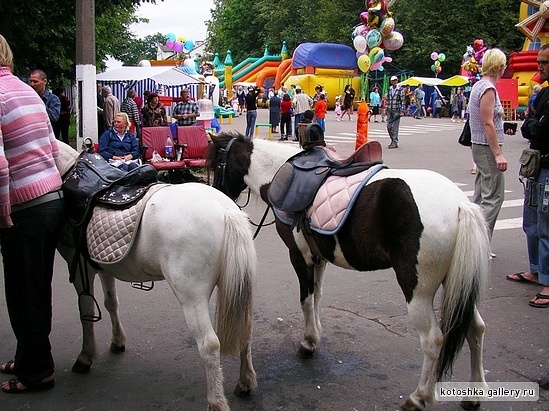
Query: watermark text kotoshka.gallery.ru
pixel 493 391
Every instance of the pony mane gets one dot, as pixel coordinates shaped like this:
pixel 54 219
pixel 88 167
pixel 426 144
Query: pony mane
pixel 221 140
pixel 67 158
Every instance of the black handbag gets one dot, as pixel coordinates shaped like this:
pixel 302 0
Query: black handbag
pixel 465 136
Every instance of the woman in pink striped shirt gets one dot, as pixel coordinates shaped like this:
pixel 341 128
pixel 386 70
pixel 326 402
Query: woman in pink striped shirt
pixel 31 212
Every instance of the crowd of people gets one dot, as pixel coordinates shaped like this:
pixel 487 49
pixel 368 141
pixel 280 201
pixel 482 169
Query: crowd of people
pixel 285 103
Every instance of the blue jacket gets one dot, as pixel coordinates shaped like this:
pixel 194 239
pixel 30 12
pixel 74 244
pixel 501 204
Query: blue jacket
pixel 110 145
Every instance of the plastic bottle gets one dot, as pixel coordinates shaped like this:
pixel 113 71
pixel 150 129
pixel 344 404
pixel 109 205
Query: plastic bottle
pixel 169 147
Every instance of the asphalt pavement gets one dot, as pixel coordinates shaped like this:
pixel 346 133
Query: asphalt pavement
pixel 370 355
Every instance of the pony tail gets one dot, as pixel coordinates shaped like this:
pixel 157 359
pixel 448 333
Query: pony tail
pixel 235 286
pixel 463 284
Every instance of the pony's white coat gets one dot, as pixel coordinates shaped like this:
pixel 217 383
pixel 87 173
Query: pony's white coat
pixel 195 238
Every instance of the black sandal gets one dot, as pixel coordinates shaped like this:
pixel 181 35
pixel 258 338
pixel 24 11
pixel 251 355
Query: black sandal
pixel 539 296
pixel 41 386
pixel 8 367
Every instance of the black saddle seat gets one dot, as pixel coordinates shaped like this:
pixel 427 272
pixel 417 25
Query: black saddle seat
pixel 296 183
pixel 93 180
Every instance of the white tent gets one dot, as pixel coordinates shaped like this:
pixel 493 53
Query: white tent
pixel 416 81
pixel 164 76
pixel 167 81
pixel 453 81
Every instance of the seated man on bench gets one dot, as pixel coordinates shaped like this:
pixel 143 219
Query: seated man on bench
pixel 118 146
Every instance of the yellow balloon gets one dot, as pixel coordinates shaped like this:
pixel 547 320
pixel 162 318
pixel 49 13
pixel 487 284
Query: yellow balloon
pixel 437 63
pixel 364 63
pixel 181 39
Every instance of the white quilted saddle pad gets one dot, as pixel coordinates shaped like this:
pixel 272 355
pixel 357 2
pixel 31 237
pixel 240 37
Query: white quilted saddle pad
pixel 333 201
pixel 110 233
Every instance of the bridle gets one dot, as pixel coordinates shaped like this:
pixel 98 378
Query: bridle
pixel 220 182
pixel 220 179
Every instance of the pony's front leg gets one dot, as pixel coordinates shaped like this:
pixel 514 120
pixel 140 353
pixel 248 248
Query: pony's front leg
pixel 310 277
pixel 422 314
pixel 475 337
pixel 320 268
pixel 88 354
pixel 309 272
pixel 118 341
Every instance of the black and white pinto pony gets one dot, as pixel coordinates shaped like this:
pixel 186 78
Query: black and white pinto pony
pixel 195 238
pixel 416 221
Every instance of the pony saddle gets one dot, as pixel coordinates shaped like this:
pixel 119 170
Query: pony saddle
pixel 296 183
pixel 93 180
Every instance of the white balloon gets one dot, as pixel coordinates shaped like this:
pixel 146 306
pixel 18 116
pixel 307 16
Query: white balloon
pixel 393 41
pixel 360 43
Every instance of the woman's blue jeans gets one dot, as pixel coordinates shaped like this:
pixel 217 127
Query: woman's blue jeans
pixel 251 116
pixel 535 223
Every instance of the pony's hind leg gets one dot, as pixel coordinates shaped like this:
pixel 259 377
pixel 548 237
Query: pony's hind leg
pixel 118 341
pixel 247 381
pixel 475 337
pixel 198 319
pixel 421 312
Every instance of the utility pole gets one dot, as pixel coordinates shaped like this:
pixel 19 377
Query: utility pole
pixel 86 89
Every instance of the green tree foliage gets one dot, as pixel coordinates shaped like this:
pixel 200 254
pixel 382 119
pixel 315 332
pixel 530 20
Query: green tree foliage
pixel 449 26
pixel 141 49
pixel 445 26
pixel 42 33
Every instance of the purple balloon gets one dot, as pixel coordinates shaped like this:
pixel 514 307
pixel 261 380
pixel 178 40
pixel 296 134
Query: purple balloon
pixel 178 47
pixel 169 44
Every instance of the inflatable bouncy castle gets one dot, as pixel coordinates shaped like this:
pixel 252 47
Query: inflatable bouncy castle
pixel 330 65
pixel 523 64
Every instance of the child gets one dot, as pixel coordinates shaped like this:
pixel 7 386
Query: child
pixel 384 108
pixel 234 105
pixel 438 107
pixel 320 111
pixel 337 110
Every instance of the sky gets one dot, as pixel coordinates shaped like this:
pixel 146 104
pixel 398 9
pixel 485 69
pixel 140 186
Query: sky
pixel 184 18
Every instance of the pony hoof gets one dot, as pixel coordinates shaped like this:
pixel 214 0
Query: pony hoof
pixel 80 367
pixel 409 405
pixel 305 352
pixel 242 393
pixel 470 405
pixel 117 349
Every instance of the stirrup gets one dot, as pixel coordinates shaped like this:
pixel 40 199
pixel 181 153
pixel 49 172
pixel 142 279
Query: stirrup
pixel 88 317
pixel 143 286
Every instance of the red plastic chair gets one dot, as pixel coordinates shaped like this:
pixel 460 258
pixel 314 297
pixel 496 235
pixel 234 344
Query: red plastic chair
pixel 154 139
pixel 196 141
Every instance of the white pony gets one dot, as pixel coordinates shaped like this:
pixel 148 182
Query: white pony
pixel 195 238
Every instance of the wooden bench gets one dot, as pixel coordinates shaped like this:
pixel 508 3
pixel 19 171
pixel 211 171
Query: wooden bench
pixel 257 125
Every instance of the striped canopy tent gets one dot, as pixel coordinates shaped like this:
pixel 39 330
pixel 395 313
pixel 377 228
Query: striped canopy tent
pixel 167 81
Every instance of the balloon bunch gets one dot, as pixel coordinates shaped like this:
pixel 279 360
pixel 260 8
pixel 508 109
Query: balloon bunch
pixel 472 59
pixel 178 45
pixel 375 35
pixel 437 58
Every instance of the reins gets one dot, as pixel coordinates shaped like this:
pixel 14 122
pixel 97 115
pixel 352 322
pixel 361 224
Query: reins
pixel 220 182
